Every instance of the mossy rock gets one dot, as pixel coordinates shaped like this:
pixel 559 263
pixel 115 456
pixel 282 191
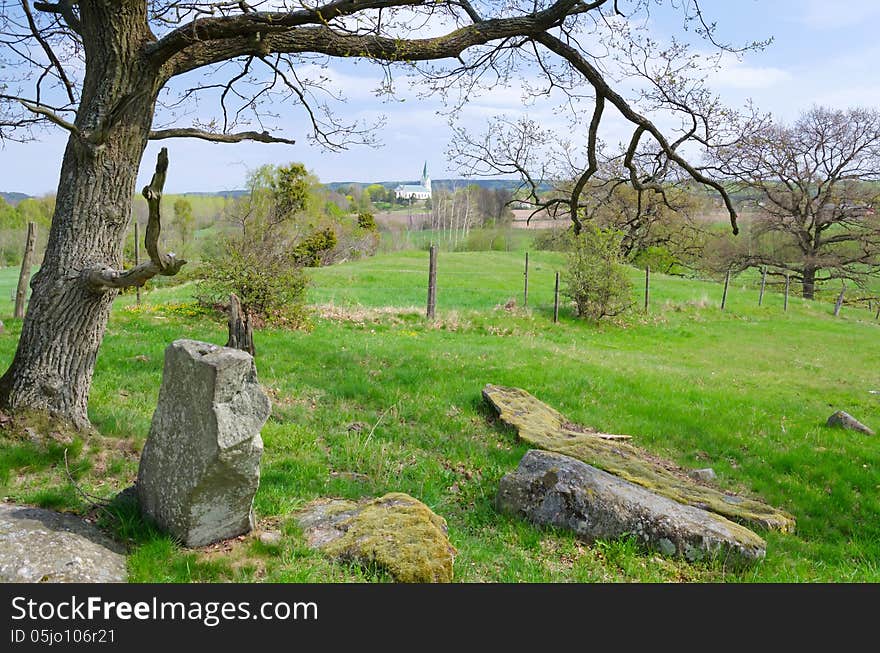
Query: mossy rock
pixel 395 532
pixel 545 428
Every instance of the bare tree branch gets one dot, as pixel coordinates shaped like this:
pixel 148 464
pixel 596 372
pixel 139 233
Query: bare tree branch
pixel 192 132
pixel 104 278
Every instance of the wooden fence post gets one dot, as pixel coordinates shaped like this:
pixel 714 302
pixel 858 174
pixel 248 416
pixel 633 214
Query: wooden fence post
pixel 24 276
pixel 526 288
pixel 137 256
pixel 763 285
pixel 647 286
pixel 787 285
pixel 432 283
pixel 726 284
pixel 839 301
pixel 556 301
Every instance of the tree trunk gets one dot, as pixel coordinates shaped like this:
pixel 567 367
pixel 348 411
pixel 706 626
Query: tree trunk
pixel 809 283
pixel 66 318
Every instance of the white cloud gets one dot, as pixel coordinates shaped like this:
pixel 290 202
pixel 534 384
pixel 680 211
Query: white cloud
pixel 821 14
pixel 735 73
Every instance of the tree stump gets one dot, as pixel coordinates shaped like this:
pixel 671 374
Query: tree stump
pixel 241 335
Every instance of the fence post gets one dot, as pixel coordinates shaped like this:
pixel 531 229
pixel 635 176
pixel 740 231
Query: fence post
pixel 726 284
pixel 787 285
pixel 24 276
pixel 556 301
pixel 763 285
pixel 839 301
pixel 647 286
pixel 137 257
pixel 877 317
pixel 526 288
pixel 432 283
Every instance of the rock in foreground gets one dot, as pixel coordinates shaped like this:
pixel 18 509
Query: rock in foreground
pixel 43 546
pixel 543 427
pixel 555 490
pixel 395 532
pixel 200 467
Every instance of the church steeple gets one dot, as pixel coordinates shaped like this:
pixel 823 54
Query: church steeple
pixel 426 180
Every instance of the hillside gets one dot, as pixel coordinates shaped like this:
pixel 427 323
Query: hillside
pixel 373 399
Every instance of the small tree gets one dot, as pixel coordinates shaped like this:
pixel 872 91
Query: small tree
pixel 184 221
pixel 595 278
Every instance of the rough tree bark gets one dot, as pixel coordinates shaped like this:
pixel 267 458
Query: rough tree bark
pixel 67 315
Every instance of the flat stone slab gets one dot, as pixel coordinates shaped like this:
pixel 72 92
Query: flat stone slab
pixel 543 427
pixel 844 420
pixel 395 532
pixel 44 546
pixel 556 490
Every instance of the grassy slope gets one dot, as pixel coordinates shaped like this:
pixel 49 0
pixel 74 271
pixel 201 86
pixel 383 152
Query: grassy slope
pixel 371 401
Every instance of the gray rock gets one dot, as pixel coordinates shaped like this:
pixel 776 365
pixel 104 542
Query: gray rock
pixel 847 421
pixel 555 490
pixel 200 467
pixel 706 474
pixel 44 546
pixel 270 538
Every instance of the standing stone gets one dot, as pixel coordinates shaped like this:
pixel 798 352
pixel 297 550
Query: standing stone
pixel 200 467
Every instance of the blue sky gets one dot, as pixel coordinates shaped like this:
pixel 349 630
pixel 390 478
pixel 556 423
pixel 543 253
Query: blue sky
pixel 824 52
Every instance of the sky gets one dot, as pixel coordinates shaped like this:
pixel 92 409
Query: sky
pixel 824 52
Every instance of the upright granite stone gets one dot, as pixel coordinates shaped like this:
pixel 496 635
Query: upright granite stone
pixel 200 467
pixel 555 490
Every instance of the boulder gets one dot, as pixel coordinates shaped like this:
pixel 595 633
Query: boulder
pixel 551 489
pixel 395 532
pixel 44 546
pixel 847 421
pixel 543 427
pixel 200 467
pixel 706 474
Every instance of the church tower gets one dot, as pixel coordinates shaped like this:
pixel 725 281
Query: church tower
pixel 426 180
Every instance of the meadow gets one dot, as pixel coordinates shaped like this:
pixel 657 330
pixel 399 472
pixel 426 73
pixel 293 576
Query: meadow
pixel 373 398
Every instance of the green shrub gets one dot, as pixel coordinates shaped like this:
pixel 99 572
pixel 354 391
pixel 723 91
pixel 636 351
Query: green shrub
pixel 366 221
pixel 265 275
pixel 552 240
pixel 595 279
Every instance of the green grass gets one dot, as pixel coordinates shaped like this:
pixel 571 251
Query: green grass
pixel 374 399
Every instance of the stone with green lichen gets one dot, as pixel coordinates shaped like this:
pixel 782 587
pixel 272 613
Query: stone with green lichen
pixel 543 427
pixel 395 532
pixel 551 489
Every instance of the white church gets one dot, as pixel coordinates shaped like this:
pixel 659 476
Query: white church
pixel 416 191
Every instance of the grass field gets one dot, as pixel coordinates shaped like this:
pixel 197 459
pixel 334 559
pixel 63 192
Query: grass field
pixel 373 399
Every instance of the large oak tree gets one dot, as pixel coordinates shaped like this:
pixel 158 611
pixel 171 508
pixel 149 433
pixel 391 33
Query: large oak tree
pixel 815 186
pixel 98 69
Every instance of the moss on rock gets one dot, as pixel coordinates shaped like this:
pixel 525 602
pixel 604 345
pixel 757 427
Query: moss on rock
pixel 395 532
pixel 545 428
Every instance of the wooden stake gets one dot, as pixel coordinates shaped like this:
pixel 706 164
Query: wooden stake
pixel 787 285
pixel 24 276
pixel 556 301
pixel 432 283
pixel 647 286
pixel 839 301
pixel 526 288
pixel 726 284
pixel 137 256
pixel 763 285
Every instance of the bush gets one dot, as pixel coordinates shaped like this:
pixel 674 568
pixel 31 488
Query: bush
pixel 595 279
pixel 557 239
pixel 264 275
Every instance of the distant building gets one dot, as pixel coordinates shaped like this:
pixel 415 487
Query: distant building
pixel 416 191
